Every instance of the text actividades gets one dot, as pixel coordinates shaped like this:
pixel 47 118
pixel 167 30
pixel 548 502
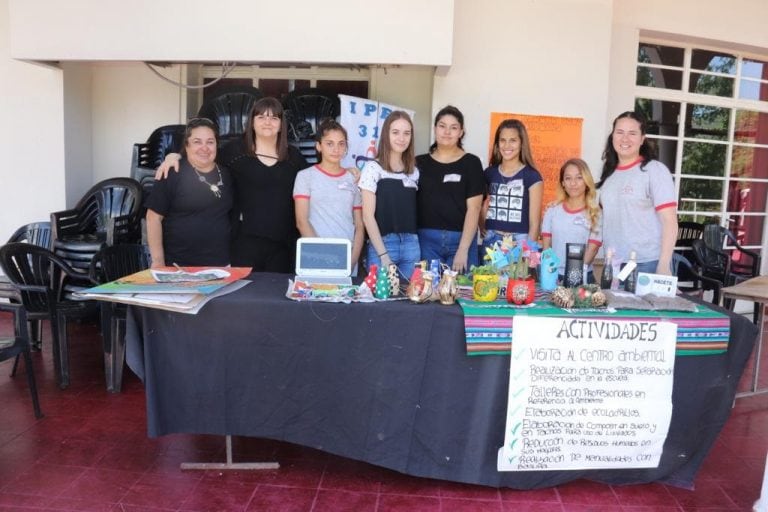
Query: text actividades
pixel 591 329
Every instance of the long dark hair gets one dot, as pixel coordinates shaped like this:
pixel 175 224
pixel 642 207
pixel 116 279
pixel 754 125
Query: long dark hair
pixel 197 122
pixel 449 110
pixel 272 106
pixel 385 147
pixel 526 155
pixel 611 157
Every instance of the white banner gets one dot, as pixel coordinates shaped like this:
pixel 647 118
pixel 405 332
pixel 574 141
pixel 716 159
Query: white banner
pixel 362 119
pixel 588 393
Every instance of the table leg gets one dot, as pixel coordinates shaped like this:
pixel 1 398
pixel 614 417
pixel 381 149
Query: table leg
pixel 758 355
pixel 229 464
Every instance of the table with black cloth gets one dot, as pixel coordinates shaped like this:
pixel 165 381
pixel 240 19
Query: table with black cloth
pixel 388 383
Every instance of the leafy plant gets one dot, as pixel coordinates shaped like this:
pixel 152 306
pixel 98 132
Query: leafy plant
pixel 483 270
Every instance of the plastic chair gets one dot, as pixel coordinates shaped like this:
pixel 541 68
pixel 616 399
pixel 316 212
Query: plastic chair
pixel 685 272
pixel 40 277
pixel 304 110
pixel 36 233
pixel 110 264
pixel 109 213
pixel 149 155
pixel 715 237
pixel 230 109
pixel 18 345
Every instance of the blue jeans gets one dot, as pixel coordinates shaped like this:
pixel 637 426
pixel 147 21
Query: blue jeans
pixel 403 249
pixel 440 244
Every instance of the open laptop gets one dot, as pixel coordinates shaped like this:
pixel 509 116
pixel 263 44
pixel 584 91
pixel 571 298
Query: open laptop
pixel 324 260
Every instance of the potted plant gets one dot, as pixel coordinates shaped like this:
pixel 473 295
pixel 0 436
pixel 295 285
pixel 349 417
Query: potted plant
pixel 485 282
pixel 521 287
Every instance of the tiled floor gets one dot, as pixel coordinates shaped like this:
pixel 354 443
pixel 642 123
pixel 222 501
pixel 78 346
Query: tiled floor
pixel 91 453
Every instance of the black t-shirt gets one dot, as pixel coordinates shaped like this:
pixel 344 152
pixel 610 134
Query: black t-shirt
pixel 196 223
pixel 444 190
pixel 264 194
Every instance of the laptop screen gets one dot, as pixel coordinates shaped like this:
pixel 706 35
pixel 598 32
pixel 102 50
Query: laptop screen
pixel 329 257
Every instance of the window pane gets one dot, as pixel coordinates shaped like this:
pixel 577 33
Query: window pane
pixel 711 85
pixel 747 229
pixel 747 196
pixel 754 69
pixel 700 195
pixel 661 78
pixel 751 127
pixel 713 61
pixel 749 162
pixel 663 116
pixel 657 54
pixel 707 122
pixel 667 152
pixel 701 219
pixel 704 159
pixel 753 90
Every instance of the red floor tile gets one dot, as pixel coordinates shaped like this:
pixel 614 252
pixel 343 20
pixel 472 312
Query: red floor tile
pixel 161 491
pixel 108 485
pixel 645 494
pixel 212 494
pixel 344 501
pixel 531 507
pixel 469 505
pixel 402 503
pixel 466 491
pixel 282 499
pixel 350 475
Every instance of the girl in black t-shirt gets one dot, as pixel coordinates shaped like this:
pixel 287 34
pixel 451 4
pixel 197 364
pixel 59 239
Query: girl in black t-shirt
pixel 450 195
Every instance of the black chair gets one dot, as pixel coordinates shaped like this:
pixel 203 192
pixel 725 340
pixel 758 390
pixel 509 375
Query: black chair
pixel 229 110
pixel 720 240
pixel 110 264
pixel 36 233
pixel 684 270
pixel 18 345
pixel 148 156
pixel 304 110
pixel 109 213
pixel 41 277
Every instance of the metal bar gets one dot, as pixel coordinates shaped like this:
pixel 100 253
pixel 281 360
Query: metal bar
pixel 229 465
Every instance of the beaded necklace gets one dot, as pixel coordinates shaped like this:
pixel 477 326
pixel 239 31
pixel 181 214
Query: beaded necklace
pixel 214 187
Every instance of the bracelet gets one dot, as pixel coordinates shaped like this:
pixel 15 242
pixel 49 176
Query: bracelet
pixel 382 254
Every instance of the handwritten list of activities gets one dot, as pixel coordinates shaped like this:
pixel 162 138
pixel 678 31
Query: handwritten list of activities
pixel 588 394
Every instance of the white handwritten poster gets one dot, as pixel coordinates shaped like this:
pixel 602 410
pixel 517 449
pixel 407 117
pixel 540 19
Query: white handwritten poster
pixel 362 119
pixel 588 394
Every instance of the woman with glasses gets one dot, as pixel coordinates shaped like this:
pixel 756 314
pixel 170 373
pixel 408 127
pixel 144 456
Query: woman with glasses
pixel 188 214
pixel 264 169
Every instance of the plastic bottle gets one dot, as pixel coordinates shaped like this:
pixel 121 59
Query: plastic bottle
pixel 606 280
pixel 631 281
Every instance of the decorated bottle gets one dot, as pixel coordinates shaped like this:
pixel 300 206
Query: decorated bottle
pixel 606 280
pixel 630 282
pixel 381 289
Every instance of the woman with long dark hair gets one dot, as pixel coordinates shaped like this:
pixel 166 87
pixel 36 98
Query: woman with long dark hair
pixel 450 195
pixel 638 197
pixel 264 167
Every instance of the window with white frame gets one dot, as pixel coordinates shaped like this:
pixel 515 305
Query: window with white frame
pixel 708 114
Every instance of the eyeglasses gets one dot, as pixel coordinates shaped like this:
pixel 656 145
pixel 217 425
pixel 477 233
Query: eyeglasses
pixel 262 118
